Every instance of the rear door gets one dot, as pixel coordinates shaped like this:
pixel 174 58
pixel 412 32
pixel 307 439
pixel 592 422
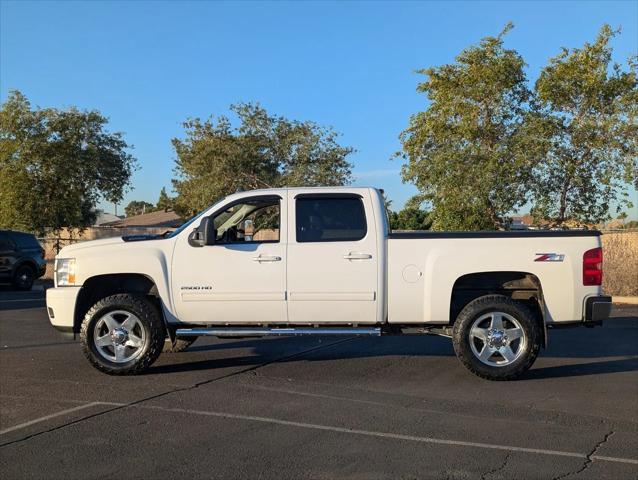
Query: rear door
pixel 332 259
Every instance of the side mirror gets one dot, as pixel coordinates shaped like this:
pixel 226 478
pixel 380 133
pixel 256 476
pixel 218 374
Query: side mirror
pixel 205 234
pixel 207 230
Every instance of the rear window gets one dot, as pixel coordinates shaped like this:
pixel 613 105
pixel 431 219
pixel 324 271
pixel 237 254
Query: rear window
pixel 330 219
pixel 25 240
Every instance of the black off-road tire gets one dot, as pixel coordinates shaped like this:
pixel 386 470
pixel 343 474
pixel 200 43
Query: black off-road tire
pixel 150 319
pixel 24 277
pixel 496 303
pixel 181 344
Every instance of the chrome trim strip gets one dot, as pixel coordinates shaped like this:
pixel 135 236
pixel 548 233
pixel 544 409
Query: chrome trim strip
pixel 261 332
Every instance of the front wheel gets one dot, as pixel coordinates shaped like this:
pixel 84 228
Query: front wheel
pixel 122 334
pixel 496 337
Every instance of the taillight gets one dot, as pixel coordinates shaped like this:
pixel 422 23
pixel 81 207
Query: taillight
pixel 593 267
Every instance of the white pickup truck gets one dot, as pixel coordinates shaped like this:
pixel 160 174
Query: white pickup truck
pixel 322 261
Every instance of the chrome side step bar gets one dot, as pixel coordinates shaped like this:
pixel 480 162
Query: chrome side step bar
pixel 262 332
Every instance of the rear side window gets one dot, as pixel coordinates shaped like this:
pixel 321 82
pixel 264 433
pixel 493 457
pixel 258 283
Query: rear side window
pixel 25 240
pixel 330 219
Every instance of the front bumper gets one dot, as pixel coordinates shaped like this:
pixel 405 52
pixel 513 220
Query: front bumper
pixel 597 309
pixel 61 307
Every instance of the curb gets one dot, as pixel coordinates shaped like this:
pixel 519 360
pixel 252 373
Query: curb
pixel 625 300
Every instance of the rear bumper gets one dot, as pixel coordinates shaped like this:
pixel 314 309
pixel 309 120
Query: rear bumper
pixel 42 269
pixel 597 309
pixel 61 307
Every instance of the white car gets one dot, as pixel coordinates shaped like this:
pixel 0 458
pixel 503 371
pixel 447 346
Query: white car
pixel 322 261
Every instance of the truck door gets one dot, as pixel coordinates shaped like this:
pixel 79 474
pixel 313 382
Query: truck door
pixel 332 259
pixel 242 277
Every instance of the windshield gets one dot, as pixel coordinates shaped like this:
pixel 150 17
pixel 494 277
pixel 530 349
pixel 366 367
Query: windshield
pixel 191 221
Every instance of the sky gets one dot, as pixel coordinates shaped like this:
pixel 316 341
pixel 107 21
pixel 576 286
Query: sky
pixel 148 66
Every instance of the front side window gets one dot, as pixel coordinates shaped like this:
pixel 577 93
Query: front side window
pixel 330 219
pixel 252 220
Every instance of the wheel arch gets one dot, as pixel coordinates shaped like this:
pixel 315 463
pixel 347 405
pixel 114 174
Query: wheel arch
pixel 100 286
pixel 25 261
pixel 521 286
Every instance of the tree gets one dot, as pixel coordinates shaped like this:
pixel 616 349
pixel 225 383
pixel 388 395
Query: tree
pixel 411 217
pixel 56 164
pixel 586 124
pixel 216 158
pixel 164 202
pixel 138 207
pixel 464 152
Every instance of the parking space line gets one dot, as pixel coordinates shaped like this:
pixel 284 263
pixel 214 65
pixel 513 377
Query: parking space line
pixel 56 400
pixel 324 396
pixel 329 428
pixel 393 436
pixel 48 417
pixel 614 459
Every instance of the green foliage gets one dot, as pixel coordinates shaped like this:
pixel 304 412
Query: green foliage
pixel 138 207
pixel 464 152
pixel 216 159
pixel 165 202
pixel 55 165
pixel 485 144
pixel 411 217
pixel 586 131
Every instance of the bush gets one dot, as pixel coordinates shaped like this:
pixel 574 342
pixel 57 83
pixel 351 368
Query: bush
pixel 620 250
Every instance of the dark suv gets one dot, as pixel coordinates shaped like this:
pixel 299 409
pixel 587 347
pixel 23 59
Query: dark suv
pixel 21 259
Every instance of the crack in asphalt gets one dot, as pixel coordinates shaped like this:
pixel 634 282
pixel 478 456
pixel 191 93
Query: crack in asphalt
pixel 589 459
pixel 35 345
pixel 176 390
pixel 498 469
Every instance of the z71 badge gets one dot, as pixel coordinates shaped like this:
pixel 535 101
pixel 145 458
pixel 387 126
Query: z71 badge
pixel 549 257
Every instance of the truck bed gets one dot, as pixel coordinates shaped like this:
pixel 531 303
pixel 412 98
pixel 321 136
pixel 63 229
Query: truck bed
pixel 413 234
pixel 425 269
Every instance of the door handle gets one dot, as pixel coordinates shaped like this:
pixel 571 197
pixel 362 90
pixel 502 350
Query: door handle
pixel 357 256
pixel 267 258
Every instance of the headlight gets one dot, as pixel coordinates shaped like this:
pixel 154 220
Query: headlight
pixel 65 272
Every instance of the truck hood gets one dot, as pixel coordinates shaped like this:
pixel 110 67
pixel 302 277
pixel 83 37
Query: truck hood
pixel 70 250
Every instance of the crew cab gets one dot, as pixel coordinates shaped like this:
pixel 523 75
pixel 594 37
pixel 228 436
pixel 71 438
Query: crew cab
pixel 323 261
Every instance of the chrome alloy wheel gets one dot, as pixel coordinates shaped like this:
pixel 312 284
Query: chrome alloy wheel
pixel 119 336
pixel 497 339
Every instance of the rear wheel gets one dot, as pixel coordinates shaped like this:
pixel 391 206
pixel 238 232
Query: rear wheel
pixel 24 277
pixel 122 334
pixel 496 337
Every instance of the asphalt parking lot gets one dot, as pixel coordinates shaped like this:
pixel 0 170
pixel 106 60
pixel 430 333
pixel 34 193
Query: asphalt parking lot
pixel 304 407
